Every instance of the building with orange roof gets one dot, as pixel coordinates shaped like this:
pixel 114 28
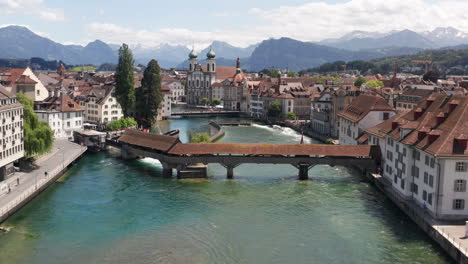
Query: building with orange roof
pixel 27 81
pixel 425 155
pixel 63 114
pixel 364 112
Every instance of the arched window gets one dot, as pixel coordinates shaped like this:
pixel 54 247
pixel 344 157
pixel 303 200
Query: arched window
pixel 198 83
pixel 208 66
pixel 190 67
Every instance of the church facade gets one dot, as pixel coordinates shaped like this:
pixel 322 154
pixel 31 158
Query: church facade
pixel 200 79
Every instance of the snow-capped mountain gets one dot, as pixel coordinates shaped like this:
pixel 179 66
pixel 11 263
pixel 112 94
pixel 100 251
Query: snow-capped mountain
pixel 448 36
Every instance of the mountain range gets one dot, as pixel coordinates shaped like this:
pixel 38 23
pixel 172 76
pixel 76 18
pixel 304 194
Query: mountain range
pixel 18 42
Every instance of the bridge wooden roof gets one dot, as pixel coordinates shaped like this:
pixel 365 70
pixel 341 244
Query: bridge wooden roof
pixel 148 140
pixel 273 149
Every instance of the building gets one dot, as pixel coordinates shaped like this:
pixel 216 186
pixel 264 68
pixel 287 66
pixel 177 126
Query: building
pixel 201 78
pixel 26 81
pixel 364 112
pixel 320 117
pixel 11 133
pixel 165 107
pixel 425 155
pixel 177 91
pixel 410 98
pixel 235 91
pixel 100 105
pixel 341 98
pixel 62 113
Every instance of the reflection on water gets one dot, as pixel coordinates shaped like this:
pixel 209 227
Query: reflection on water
pixel 113 211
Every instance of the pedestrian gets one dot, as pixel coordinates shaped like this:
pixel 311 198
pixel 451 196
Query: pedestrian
pixel 17 181
pixel 9 189
pixel 45 174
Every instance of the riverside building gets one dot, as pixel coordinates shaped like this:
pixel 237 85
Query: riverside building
pixel 11 133
pixel 425 155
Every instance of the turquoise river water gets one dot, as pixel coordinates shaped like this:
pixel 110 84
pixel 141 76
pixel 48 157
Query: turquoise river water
pixel 106 210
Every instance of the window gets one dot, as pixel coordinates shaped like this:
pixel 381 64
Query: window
pixel 431 180
pixel 429 199
pixel 460 186
pixel 414 188
pixel 385 116
pixel 68 124
pixel 426 160
pixel 68 115
pixel 426 177
pixel 404 151
pixel 458 204
pixel 402 184
pixel 432 162
pixel 415 171
pixel 424 195
pixel 38 92
pixel 460 167
pixel 395 179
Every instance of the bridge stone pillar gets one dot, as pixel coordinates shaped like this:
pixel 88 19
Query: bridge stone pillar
pixel 167 170
pixel 303 172
pixel 127 154
pixel 230 172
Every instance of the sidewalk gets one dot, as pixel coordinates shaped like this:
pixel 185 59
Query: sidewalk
pixel 62 154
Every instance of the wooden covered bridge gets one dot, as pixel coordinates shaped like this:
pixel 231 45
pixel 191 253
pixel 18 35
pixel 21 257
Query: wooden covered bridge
pixel 173 154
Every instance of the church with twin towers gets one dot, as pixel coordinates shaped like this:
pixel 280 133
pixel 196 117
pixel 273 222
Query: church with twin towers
pixel 206 81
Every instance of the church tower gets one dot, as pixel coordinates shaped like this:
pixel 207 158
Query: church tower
pixel 211 61
pixel 192 60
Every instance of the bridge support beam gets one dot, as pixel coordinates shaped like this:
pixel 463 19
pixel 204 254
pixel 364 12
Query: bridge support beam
pixel 230 172
pixel 304 171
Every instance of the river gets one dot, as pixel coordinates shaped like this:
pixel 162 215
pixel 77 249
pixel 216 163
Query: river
pixel 106 210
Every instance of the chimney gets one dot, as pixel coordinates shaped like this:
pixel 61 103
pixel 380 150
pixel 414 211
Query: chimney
pixel 429 102
pixel 440 118
pixel 452 105
pixel 421 135
pixel 417 113
pixel 433 137
pixel 460 144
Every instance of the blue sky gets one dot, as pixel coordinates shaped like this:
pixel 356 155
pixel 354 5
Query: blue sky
pixel 240 22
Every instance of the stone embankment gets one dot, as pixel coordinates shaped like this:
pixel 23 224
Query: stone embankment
pixel 219 133
pixel 450 237
pixel 23 187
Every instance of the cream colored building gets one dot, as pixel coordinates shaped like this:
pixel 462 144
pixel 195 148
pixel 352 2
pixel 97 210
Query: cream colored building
pixel 11 133
pixel 101 106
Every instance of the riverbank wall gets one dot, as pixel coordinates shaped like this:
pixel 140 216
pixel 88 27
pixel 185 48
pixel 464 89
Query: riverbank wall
pixel 448 241
pixel 40 184
pixel 219 133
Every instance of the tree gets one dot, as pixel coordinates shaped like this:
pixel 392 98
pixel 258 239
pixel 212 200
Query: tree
pixel 125 79
pixel 38 137
pixel 124 122
pixel 275 109
pixel 275 73
pixel 149 95
pixel 292 74
pixel 432 76
pixel 329 141
pixel 200 138
pixel 290 116
pixel 360 81
pixel 205 101
pixel 374 84
pixel 216 101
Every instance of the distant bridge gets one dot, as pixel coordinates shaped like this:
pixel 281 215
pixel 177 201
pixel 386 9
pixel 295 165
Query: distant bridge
pixel 176 155
pixel 213 113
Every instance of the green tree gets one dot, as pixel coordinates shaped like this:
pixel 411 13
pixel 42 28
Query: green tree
pixel 275 109
pixel 124 122
pixel 374 84
pixel 125 79
pixel 275 73
pixel 290 116
pixel 329 141
pixel 38 137
pixel 216 101
pixel 199 138
pixel 150 95
pixel 360 81
pixel 292 74
pixel 205 101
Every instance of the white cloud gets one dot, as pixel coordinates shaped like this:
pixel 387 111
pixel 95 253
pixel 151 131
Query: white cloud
pixel 31 7
pixel 309 22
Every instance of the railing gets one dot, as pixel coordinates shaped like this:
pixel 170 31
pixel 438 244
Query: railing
pixel 452 240
pixel 6 210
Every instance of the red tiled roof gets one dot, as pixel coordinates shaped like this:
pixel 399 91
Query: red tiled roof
pixel 148 140
pixel 24 79
pixel 362 105
pixel 223 72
